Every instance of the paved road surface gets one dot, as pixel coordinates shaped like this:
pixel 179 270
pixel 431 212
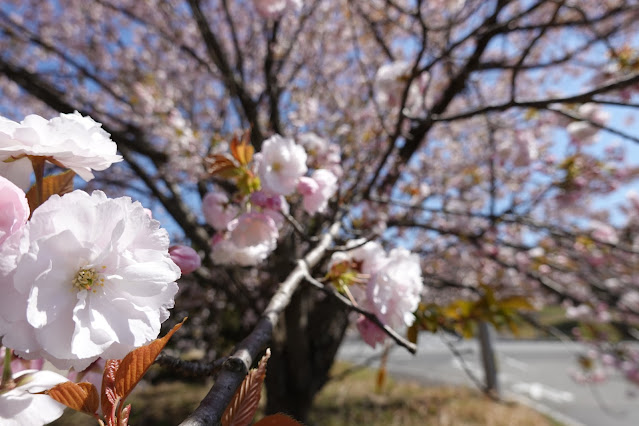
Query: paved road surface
pixel 533 371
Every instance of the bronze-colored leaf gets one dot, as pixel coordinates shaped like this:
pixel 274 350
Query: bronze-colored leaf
pixel 218 163
pixel 59 184
pixel 138 361
pixel 278 419
pixel 78 396
pixel 242 151
pixel 242 408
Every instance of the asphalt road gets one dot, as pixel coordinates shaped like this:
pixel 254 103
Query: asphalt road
pixel 534 372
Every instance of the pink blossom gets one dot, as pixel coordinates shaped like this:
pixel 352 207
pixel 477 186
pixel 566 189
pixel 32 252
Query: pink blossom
pixel 248 241
pixel 273 205
pixel 281 163
pixel 395 289
pixel 218 211
pixel 307 186
pixel 186 258
pixel 274 9
pixel 321 153
pixel 14 208
pixel 71 140
pixel 370 332
pixel 317 190
pixel 371 255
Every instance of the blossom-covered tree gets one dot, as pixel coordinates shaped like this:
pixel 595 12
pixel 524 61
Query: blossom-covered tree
pixel 474 134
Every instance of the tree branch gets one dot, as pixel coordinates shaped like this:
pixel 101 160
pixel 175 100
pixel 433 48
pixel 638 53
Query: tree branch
pixel 235 368
pixel 410 347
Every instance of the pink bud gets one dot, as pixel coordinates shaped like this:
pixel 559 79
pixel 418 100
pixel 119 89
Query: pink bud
pixel 186 258
pixel 307 186
pixel 14 207
pixel 370 332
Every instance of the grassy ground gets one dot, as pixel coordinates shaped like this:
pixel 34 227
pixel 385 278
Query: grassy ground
pixel 353 401
pixel 350 401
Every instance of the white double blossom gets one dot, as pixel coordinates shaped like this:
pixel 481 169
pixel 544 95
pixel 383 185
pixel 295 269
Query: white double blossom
pixel 280 164
pixel 70 140
pixel 248 241
pixel 392 290
pixel 87 277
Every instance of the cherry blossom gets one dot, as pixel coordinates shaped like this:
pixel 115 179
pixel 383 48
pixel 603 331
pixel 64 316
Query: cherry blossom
pixel 273 205
pixel 22 405
pixel 321 153
pixel 185 258
pixel 17 171
pixel 396 288
pixel 317 190
pixel 370 332
pixel 393 286
pixel 70 140
pixel 281 163
pixel 218 211
pixel 92 277
pixel 273 9
pixel 14 208
pixel 248 241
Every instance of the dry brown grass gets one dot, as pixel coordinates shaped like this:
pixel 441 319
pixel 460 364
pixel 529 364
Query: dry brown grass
pixel 351 401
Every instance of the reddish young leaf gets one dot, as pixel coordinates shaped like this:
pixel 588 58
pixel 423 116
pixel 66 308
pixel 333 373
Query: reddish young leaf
pixel 242 408
pixel 78 396
pixel 242 151
pixel 123 420
pixel 54 184
pixel 108 394
pixel 278 419
pixel 219 164
pixel 137 362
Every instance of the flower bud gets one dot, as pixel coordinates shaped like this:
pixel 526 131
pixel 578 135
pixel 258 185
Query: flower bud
pixel 186 258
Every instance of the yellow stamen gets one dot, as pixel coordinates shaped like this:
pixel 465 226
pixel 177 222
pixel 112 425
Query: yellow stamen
pixel 86 278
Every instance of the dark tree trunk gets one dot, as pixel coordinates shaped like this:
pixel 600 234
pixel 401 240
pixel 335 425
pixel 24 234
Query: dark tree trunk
pixel 303 350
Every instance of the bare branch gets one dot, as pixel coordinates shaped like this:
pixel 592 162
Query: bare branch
pixel 237 365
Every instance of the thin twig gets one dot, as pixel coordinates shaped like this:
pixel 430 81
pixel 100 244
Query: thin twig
pixel 411 347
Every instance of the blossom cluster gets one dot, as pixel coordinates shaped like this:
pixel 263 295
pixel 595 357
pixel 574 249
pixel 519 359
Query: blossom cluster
pixel 83 276
pixel 247 228
pixel 389 285
pixel 274 9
